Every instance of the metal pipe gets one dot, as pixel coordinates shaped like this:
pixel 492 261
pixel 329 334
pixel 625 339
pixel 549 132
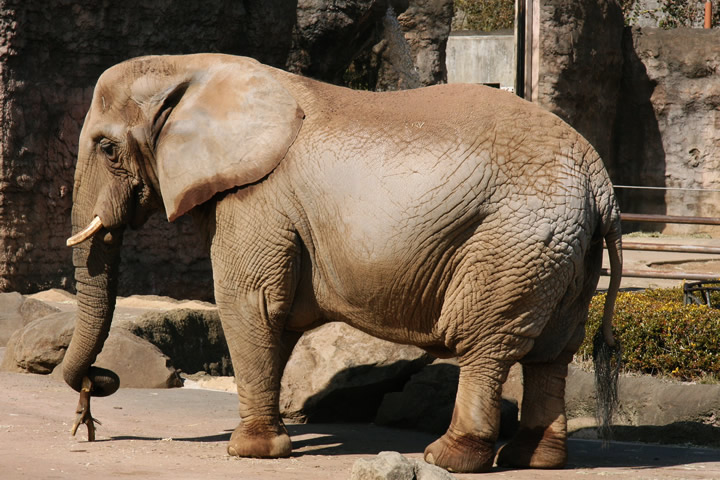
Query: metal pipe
pixel 662 247
pixel 665 275
pixel 708 14
pixel 520 48
pixel 681 189
pixel 639 217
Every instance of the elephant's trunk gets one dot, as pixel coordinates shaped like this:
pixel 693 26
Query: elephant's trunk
pixel 96 273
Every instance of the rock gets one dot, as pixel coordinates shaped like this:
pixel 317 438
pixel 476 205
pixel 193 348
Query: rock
pixel 10 317
pixel 40 346
pixel 138 363
pixel 32 309
pixel 337 373
pixel 581 64
pixel 425 471
pixel 408 47
pixel 427 400
pixel 668 132
pixel 194 339
pixel 426 27
pixel 394 466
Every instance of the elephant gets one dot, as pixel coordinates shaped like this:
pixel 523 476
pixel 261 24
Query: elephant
pixel 457 218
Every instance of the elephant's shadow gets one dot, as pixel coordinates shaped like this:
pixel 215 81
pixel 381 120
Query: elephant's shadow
pixel 357 435
pixel 368 439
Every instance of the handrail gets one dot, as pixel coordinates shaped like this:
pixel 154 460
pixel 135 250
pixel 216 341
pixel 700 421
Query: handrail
pixel 670 247
pixel 641 217
pixel 680 219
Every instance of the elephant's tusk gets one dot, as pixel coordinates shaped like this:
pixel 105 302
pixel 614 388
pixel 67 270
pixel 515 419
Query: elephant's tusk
pixel 86 233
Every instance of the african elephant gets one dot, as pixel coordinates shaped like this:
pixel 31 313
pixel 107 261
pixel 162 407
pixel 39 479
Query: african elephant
pixel 457 218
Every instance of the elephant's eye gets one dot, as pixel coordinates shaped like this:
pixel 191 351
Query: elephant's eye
pixel 109 149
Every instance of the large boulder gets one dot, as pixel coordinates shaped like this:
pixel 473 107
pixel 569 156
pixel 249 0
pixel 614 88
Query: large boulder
pixel 337 373
pixel 40 346
pixel 138 363
pixel 194 339
pixel 10 316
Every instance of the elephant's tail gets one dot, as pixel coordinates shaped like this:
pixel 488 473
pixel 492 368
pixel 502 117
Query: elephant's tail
pixel 607 352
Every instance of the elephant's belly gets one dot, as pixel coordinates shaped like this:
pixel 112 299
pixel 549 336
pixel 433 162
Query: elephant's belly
pixel 399 302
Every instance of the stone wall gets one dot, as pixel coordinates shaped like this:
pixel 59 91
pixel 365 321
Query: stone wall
pixel 581 66
pixel 668 129
pixel 647 99
pixel 51 54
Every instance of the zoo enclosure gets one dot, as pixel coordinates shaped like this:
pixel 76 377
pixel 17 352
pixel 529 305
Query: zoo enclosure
pixel 668 247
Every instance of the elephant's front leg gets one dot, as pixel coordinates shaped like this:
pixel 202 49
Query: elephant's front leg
pixel 259 349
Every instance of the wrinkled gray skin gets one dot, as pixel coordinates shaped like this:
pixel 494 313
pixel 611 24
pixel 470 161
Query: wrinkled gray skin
pixel 457 218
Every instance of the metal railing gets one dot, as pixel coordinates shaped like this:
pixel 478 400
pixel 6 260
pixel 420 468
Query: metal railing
pixel 668 247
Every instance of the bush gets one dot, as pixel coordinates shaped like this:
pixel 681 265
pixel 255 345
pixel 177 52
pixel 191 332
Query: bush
pixel 669 13
pixel 660 335
pixel 484 15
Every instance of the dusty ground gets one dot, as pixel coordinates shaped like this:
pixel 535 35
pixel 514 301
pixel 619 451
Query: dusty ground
pixel 182 433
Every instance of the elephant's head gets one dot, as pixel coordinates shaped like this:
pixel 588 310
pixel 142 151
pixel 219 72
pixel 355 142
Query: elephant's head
pixel 162 131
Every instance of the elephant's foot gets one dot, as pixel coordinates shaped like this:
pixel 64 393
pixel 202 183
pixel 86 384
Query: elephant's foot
pixel 534 448
pixel 461 453
pixel 260 439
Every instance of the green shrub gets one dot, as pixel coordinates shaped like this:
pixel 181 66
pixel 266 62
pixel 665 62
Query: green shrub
pixel 660 335
pixel 484 15
pixel 669 13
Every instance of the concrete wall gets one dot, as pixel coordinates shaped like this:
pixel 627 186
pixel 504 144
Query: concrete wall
pixel 486 58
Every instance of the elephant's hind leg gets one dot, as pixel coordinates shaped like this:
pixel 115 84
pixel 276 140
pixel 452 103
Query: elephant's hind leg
pixel 494 328
pixel 541 441
pixel 469 443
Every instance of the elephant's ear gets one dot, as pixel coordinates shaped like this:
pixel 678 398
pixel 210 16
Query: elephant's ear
pixel 227 126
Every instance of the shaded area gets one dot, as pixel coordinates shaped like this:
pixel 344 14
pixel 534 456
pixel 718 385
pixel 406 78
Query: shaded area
pixel 193 339
pixel 581 66
pixel 676 433
pixel 639 157
pixel 355 394
pixel 591 454
pixel 427 400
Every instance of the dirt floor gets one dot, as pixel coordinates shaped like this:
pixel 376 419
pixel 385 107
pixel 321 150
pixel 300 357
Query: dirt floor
pixel 182 434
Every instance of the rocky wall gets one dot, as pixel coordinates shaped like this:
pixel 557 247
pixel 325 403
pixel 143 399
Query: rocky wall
pixel 51 54
pixel 581 66
pixel 668 126
pixel 646 98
